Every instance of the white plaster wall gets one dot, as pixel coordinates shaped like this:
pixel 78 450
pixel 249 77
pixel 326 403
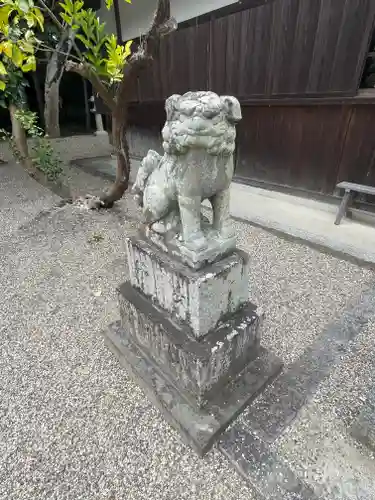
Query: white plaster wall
pixel 136 17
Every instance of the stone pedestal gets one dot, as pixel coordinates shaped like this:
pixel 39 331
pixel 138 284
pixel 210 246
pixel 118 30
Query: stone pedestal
pixel 197 299
pixel 191 339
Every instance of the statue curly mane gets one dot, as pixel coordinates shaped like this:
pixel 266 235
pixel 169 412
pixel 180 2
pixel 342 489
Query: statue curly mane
pixel 199 120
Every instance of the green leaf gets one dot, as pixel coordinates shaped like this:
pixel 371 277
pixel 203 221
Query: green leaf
pixel 30 19
pixel 29 35
pixel 67 18
pixel 128 48
pixel 78 4
pixel 3 70
pixel 4 14
pixel 128 1
pixel 90 57
pixel 30 64
pixel 26 46
pixel 6 47
pixel 109 3
pixel 2 85
pixel 17 56
pixel 39 18
pixel 83 39
pixel 24 5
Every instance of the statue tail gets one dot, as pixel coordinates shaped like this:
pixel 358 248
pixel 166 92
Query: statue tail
pixel 148 165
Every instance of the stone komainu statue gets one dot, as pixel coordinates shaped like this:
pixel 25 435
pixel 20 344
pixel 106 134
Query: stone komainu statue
pixel 198 142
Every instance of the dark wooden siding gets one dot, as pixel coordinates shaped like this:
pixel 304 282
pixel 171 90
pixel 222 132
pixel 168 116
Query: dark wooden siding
pixel 275 58
pixel 358 157
pixel 306 147
pixel 301 147
pixel 281 49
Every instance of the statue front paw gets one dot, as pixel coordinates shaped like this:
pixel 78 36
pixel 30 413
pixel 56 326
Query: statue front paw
pixel 226 232
pixel 196 241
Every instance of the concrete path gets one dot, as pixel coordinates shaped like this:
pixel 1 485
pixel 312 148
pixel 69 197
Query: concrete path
pixel 308 220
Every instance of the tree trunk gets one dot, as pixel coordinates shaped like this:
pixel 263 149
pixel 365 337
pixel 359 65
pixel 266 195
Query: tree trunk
pixel 120 143
pixel 162 25
pixel 54 72
pixel 52 109
pixel 20 139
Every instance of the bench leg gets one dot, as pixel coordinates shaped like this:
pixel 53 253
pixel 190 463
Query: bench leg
pixel 343 207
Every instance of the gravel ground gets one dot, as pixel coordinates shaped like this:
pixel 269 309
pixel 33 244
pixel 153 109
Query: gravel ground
pixel 318 445
pixel 301 290
pixel 73 425
pixel 21 198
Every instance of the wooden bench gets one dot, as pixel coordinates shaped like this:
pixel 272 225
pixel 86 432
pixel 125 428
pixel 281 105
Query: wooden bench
pixel 350 188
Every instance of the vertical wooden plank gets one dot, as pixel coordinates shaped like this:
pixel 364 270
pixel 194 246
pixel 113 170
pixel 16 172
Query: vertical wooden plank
pixel 286 14
pixel 210 50
pixel 256 51
pixel 180 50
pixel 262 47
pixel 232 54
pixel 366 42
pixel 219 38
pixel 164 65
pixel 358 156
pixel 354 29
pixel 200 45
pixel 191 62
pixel 245 37
pixel 295 146
pixel 282 48
pixel 303 46
pixel 329 27
pixel 272 51
pixel 155 84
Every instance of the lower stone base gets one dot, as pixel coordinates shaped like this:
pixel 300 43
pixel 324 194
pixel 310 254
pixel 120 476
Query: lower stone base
pixel 199 427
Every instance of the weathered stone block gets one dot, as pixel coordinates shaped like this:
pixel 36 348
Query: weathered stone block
pixel 198 427
pixel 198 367
pixel 200 299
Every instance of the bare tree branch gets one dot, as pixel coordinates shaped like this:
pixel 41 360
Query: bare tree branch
pixel 46 48
pixel 59 25
pixel 85 71
pixel 51 14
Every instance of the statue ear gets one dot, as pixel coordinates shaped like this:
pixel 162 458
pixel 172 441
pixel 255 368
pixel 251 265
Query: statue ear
pixel 232 108
pixel 170 105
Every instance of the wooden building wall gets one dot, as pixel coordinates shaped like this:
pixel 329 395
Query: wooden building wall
pixel 281 49
pixel 299 147
pixel 307 147
pixel 296 67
